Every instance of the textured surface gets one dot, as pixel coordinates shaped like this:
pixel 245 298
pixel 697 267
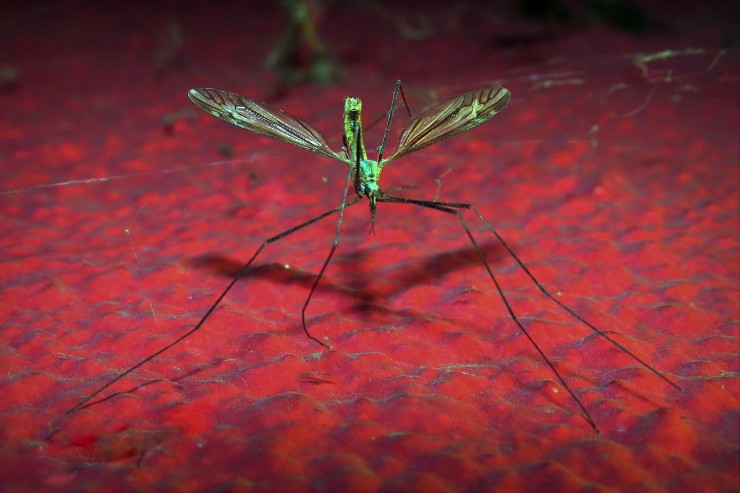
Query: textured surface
pixel 614 176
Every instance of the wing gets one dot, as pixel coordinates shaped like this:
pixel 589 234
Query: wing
pixel 450 118
pixel 261 119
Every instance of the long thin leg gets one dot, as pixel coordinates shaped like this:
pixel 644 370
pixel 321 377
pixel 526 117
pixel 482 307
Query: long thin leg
pixel 334 245
pixel 450 209
pixel 84 403
pixel 454 208
pixel 544 291
pixel 391 111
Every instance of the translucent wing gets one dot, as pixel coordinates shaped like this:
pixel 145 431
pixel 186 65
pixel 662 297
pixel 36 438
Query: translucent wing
pixel 446 119
pixel 262 119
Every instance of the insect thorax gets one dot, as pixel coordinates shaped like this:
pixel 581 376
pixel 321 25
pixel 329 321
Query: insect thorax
pixel 368 176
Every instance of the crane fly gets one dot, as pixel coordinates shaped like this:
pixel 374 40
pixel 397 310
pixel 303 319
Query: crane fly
pixel 440 122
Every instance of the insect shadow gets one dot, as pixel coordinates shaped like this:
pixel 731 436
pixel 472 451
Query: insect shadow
pixel 367 295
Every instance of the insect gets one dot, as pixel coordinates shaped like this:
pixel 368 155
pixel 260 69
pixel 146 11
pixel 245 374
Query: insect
pixel 440 122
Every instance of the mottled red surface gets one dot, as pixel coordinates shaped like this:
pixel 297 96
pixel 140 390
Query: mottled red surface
pixel 615 180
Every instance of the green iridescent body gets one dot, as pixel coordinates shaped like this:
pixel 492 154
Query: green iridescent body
pixel 367 171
